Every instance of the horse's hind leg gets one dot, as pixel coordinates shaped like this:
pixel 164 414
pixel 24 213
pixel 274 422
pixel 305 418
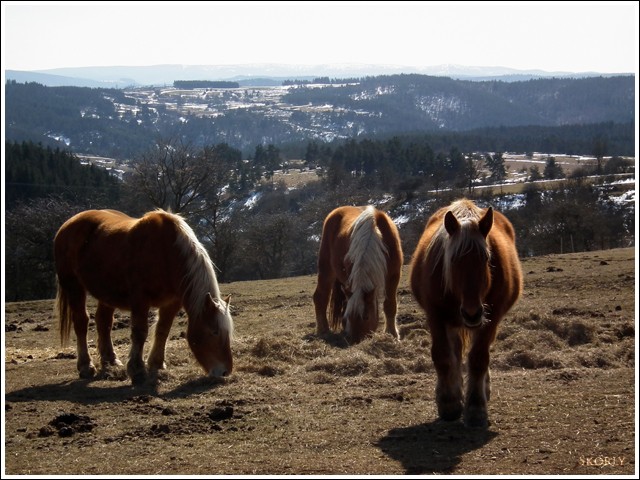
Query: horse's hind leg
pixel 77 298
pixel 166 315
pixel 104 323
pixel 446 352
pixel 478 379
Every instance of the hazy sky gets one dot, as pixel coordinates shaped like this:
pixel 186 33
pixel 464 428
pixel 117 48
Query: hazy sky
pixel 551 36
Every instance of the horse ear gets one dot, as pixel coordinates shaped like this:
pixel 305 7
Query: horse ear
pixel 212 301
pixel 486 222
pixel 451 223
pixel 228 302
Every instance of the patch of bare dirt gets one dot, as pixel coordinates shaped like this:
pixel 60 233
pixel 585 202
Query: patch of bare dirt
pixel 563 390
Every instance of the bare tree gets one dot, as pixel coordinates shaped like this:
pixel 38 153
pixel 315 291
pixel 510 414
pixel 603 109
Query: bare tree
pixel 470 171
pixel 197 184
pixel 173 175
pixel 30 229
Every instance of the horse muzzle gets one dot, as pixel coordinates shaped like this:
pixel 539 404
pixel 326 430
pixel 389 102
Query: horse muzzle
pixel 219 371
pixel 473 320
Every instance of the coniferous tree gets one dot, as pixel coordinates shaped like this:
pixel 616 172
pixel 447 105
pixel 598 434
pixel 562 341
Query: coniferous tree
pixel 496 166
pixel 552 170
pixel 534 174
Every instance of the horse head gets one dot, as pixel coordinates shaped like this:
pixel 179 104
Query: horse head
pixel 361 318
pixel 467 269
pixel 209 337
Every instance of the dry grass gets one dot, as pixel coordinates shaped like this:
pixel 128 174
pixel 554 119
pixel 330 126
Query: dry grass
pixel 563 371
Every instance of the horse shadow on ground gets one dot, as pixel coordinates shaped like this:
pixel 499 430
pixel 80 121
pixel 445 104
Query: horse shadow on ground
pixel 85 391
pixel 433 448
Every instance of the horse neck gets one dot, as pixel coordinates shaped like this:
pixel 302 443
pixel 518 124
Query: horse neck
pixel 445 249
pixel 198 275
pixel 367 254
pixel 362 312
pixel 467 239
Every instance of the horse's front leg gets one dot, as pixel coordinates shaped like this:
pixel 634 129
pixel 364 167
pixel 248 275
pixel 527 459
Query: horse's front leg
pixel 139 331
pixel 478 379
pixel 390 305
pixel 321 301
pixel 166 315
pixel 446 353
pixel 104 324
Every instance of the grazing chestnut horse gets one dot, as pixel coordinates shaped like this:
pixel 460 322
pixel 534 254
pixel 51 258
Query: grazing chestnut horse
pixel 136 264
pixel 359 262
pixel 465 274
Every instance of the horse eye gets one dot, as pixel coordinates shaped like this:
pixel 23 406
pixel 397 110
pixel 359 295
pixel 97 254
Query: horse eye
pixel 214 328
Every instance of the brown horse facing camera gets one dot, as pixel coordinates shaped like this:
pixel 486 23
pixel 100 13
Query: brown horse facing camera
pixel 466 275
pixel 138 264
pixel 359 262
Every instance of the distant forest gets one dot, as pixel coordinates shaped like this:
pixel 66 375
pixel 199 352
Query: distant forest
pixel 191 84
pixel 237 208
pixel 33 171
pixel 601 139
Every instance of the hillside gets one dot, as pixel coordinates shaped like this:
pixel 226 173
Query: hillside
pixel 121 123
pixel 563 398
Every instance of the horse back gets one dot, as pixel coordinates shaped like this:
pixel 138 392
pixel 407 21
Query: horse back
pixel 334 243
pixel 336 232
pixel 506 271
pixel 391 238
pixel 80 232
pixel 425 277
pixel 114 256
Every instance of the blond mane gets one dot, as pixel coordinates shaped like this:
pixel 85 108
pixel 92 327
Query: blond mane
pixel 368 256
pixel 446 248
pixel 200 277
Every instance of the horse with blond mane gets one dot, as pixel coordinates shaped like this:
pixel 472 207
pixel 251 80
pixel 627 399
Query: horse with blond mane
pixel 359 262
pixel 466 275
pixel 137 264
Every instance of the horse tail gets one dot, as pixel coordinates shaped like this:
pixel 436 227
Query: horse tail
pixel 368 257
pixel 337 306
pixel 63 309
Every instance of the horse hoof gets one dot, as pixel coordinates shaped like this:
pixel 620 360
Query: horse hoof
pixel 87 372
pixel 139 378
pixel 476 419
pixel 450 416
pixel 450 413
pixel 394 334
pixel 111 363
pixel 155 368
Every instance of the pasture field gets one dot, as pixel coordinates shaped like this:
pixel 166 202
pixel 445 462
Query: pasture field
pixel 563 390
pixel 517 168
